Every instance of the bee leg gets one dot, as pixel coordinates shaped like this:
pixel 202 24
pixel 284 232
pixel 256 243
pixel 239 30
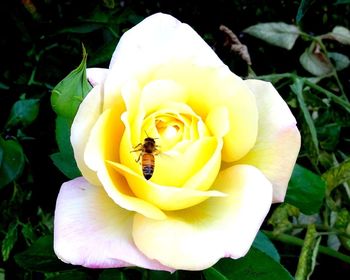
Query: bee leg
pixel 137 148
pixel 138 159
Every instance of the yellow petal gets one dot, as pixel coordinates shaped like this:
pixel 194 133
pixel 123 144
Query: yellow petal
pixel 164 197
pixel 218 121
pixel 196 238
pixel 104 140
pixel 182 163
pixel 278 141
pixel 118 190
pixel 209 88
pixel 206 175
pixel 158 93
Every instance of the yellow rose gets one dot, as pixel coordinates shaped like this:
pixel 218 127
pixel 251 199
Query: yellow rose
pixel 224 150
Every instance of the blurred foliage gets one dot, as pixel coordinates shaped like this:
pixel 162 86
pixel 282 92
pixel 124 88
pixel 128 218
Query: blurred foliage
pixel 302 47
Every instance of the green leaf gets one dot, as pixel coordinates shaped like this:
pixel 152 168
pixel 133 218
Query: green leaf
pixel 70 92
pixel 64 159
pixel 306 190
pixel 104 53
pixel 337 175
pixel 214 274
pixel 69 275
pixel 315 61
pixel 341 34
pixel 342 2
pixel 329 136
pixel 3 86
pixel 307 258
pixel 23 112
pixel 28 232
pixel 161 275
pixel 9 241
pixel 264 244
pixel 280 218
pixel 1 153
pixel 255 265
pixel 41 257
pixel 341 61
pixel 82 28
pixel 66 164
pixel 303 7
pixel 112 274
pixel 297 88
pixel 342 223
pixel 12 162
pixel 275 33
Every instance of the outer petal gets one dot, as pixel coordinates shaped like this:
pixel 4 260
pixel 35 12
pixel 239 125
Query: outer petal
pixel 92 231
pixel 278 142
pixel 196 238
pixel 156 40
pixel 86 117
pixel 160 38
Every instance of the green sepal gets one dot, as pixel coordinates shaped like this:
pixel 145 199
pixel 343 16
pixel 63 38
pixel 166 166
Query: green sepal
pixel 70 92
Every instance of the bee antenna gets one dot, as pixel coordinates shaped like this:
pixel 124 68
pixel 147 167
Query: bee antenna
pixel 150 137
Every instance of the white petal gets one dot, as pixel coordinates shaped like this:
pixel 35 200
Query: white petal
pixel 92 231
pixel 159 38
pixel 278 142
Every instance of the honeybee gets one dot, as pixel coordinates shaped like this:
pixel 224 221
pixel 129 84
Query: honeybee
pixel 148 149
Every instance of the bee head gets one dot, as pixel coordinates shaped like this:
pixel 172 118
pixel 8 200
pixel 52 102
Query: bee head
pixel 150 140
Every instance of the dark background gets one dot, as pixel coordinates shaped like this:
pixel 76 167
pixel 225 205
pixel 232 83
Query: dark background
pixel 41 42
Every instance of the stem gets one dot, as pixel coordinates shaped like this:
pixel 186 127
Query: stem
pixel 275 76
pixel 334 72
pixel 113 32
pixel 289 239
pixel 306 36
pixel 335 98
pixel 324 230
pixel 305 263
pixel 340 85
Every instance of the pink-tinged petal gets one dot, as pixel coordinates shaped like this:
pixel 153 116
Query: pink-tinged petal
pixel 278 142
pixel 96 76
pixel 196 238
pixel 92 231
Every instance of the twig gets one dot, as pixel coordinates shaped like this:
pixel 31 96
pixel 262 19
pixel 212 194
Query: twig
pixel 235 45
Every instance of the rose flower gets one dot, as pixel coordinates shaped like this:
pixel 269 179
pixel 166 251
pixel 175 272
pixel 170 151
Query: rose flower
pixel 180 158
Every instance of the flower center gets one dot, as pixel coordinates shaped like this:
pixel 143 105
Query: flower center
pixel 170 132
